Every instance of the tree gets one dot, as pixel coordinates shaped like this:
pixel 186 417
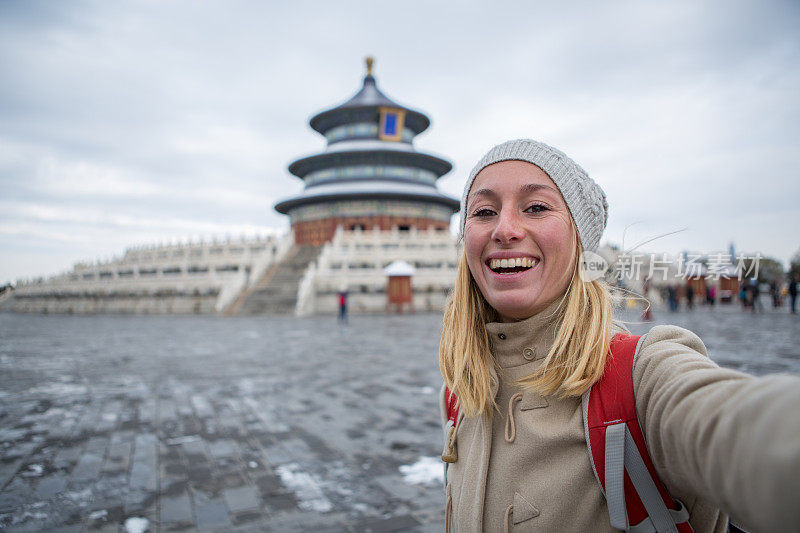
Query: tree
pixel 794 265
pixel 769 269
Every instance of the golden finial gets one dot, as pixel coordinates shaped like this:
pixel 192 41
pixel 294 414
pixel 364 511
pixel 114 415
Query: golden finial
pixel 369 60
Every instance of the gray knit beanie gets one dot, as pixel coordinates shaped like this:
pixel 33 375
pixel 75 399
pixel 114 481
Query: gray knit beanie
pixel 585 199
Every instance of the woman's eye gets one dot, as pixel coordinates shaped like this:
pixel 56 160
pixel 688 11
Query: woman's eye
pixel 536 208
pixel 484 212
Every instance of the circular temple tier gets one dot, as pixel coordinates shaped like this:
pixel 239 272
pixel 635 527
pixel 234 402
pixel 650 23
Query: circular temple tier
pixel 370 175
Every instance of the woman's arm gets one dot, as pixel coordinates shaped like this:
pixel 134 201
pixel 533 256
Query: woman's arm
pixel 722 435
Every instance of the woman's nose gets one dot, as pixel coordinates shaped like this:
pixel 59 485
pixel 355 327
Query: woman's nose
pixel 508 228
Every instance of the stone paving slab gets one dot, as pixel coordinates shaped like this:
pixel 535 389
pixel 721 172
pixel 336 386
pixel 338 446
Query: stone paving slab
pixel 251 423
pixel 118 459
pixel 51 485
pixel 176 509
pixel 211 514
pixel 242 499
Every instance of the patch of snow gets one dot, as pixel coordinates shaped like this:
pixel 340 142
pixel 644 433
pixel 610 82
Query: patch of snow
pixel 181 440
pixel 305 488
pixel 9 435
pixel 58 389
pixel 136 525
pixel 27 515
pixel 98 515
pixel 252 464
pixel 33 471
pixel 362 508
pixel 79 497
pixel 426 471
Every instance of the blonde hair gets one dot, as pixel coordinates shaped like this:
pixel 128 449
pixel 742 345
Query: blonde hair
pixel 575 361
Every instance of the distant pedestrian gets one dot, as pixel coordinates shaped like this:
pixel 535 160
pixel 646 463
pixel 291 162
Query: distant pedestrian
pixel 672 298
pixel 712 295
pixel 343 306
pixel 793 292
pixel 775 293
pixel 689 296
pixel 756 296
pixel 743 292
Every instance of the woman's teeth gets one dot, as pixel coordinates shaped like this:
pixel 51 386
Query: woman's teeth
pixel 516 263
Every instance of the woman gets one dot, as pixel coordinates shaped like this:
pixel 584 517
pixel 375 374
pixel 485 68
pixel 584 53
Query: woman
pixel 525 337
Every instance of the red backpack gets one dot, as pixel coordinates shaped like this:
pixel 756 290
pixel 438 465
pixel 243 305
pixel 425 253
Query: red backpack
pixel 637 499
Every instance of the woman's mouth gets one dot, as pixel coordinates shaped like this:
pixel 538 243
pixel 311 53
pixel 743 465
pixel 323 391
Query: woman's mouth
pixel 511 265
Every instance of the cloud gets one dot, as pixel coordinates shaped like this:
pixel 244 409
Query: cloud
pixel 129 122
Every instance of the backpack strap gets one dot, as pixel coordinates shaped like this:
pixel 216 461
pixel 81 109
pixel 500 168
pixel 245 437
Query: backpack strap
pixel 637 499
pixel 451 402
pixel 450 454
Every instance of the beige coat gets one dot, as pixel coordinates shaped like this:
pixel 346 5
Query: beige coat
pixel 719 439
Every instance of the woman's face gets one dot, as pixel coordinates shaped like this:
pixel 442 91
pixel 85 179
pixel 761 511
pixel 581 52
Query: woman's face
pixel 518 239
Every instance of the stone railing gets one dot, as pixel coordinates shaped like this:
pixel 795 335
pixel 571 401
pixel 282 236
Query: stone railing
pixel 230 290
pixel 307 292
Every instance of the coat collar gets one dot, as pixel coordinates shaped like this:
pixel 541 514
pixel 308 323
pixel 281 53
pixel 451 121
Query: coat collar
pixel 517 343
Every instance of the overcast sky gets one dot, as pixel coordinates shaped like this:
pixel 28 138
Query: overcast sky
pixel 139 122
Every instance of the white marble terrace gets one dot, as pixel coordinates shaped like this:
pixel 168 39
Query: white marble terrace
pixel 148 278
pixel 355 261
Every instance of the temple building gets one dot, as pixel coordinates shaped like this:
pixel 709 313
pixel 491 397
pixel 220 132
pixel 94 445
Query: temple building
pixel 370 200
pixel 370 175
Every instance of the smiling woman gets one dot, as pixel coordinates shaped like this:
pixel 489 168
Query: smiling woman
pixel 555 418
pixel 516 214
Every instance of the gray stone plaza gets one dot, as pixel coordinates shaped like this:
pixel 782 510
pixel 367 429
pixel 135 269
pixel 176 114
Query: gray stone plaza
pixel 117 423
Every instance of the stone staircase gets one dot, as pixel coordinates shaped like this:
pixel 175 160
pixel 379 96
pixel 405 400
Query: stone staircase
pixel 276 292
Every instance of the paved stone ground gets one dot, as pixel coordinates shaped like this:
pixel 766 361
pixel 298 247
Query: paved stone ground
pixel 757 343
pixel 251 423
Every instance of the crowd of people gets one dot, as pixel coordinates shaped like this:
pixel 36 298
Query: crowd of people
pixel 749 295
